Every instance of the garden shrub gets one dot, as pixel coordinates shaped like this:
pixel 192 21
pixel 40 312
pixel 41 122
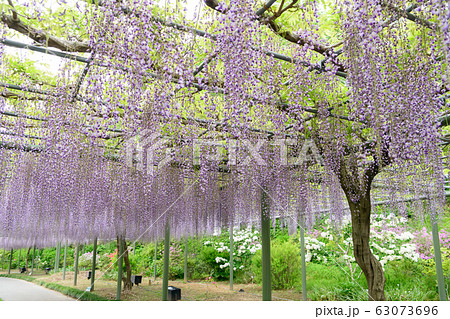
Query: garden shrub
pixel 143 260
pixel 408 280
pixel 430 264
pixel 215 254
pixel 103 261
pixel 47 258
pixel 330 282
pixel 85 260
pixel 285 265
pixel 210 257
pixel 197 268
pixel 176 262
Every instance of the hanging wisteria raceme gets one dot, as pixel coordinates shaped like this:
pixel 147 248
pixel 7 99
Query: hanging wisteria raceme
pixel 441 9
pixel 393 88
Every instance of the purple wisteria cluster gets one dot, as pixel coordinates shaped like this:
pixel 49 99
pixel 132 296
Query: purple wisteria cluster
pixel 74 184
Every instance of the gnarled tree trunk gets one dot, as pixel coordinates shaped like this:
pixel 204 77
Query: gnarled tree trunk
pixel 373 271
pixel 356 186
pixel 127 285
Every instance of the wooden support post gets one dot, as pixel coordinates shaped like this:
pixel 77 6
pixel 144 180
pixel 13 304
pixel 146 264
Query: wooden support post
pixel 94 260
pixel 77 253
pixel 185 259
pixel 303 256
pixel 231 257
pixel 438 259
pixel 119 268
pixel 65 260
pixel 265 235
pixel 154 260
pixel 165 285
pixel 32 260
pixel 10 261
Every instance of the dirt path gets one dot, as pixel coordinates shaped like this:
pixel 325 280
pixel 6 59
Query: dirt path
pixel 190 291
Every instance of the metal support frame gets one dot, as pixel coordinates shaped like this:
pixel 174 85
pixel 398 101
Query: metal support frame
pixel 267 5
pixel 165 284
pixel 200 33
pixel 154 260
pixel 438 259
pixel 57 256
pixel 203 122
pixel 81 78
pixel 65 260
pixel 265 236
pixel 186 259
pixel 119 268
pixel 94 261
pixel 231 257
pixel 10 261
pixel 303 257
pixel 32 260
pixel 88 62
pixel 20 45
pixel 77 253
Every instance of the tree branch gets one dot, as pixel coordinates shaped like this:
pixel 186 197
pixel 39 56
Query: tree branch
pixel 282 9
pixel 380 160
pixel 295 38
pixel 408 15
pixel 13 9
pixel 213 4
pixel 287 35
pixel 11 95
pixel 266 7
pixel 42 37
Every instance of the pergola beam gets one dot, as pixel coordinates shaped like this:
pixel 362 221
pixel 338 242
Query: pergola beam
pixel 42 36
pixel 212 37
pixel 266 7
pixel 281 105
pixel 186 120
pixel 45 50
pixel 408 15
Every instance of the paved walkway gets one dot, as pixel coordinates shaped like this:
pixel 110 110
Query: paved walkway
pixel 16 289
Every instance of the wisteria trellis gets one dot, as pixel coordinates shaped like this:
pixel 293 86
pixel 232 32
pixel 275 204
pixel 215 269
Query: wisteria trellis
pixel 370 103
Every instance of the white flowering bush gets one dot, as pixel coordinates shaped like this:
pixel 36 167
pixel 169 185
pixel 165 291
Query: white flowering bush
pixel 315 250
pixel 246 243
pixel 85 260
pixel 390 240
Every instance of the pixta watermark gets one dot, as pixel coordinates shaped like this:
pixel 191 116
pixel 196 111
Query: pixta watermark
pixel 149 152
